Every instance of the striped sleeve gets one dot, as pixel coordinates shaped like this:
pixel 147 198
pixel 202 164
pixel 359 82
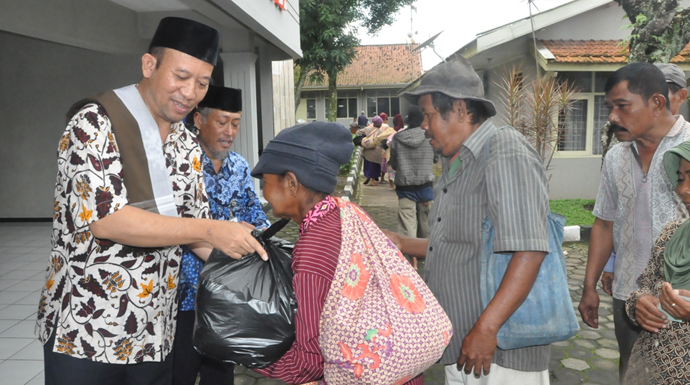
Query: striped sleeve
pixel 303 362
pixel 314 261
pixel 518 196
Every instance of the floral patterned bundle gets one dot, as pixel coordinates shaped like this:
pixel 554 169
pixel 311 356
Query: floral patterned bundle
pixel 380 323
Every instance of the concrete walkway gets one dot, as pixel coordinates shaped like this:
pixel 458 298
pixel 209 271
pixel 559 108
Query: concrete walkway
pixel 591 357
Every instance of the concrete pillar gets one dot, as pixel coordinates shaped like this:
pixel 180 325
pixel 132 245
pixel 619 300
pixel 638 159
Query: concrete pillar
pixel 239 71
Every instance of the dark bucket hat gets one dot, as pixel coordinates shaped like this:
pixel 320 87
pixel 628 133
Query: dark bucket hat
pixel 455 79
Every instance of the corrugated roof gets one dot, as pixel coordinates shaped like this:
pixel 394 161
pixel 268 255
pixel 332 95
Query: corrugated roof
pixel 597 51
pixel 379 65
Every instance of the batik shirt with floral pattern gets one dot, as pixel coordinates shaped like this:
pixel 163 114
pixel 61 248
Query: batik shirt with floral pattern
pixel 109 302
pixel 231 197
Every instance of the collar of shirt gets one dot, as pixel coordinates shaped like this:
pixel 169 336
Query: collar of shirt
pixel 472 147
pixel 208 164
pixel 317 212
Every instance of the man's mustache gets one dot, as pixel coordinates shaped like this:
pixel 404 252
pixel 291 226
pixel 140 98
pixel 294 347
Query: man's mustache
pixel 615 127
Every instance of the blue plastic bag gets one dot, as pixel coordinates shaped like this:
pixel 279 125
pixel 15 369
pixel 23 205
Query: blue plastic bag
pixel 547 315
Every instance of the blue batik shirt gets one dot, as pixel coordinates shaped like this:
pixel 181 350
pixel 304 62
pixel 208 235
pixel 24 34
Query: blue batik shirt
pixel 231 196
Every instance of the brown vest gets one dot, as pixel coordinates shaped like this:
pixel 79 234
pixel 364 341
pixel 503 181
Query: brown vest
pixel 135 169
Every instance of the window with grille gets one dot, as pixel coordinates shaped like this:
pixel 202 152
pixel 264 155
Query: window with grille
pixel 574 136
pixel 581 135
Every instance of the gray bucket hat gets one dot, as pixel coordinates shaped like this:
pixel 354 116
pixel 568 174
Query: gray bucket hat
pixel 456 79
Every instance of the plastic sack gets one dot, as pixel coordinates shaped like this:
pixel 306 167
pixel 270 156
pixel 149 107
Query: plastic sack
pixel 246 307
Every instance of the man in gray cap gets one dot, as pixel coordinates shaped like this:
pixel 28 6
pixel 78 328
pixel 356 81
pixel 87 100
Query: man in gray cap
pixel 487 171
pixel 129 192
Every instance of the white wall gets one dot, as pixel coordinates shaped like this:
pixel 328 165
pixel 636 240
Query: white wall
pixel 574 178
pixel 603 23
pixel 39 81
pixel 279 27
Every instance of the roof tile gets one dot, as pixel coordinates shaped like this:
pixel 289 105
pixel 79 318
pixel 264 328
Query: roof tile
pixel 379 65
pixel 598 51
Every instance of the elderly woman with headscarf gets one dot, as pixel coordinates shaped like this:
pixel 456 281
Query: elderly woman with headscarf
pixel 372 156
pixel 661 305
pixel 299 168
pixel 398 124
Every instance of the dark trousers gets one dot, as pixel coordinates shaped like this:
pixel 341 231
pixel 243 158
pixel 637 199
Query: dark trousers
pixel 61 369
pixel 188 363
pixel 626 335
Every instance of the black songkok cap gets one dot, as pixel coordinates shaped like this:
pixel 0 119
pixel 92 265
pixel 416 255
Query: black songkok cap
pixel 222 98
pixel 188 36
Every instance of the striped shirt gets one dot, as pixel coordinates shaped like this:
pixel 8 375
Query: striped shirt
pixel 511 187
pixel 314 260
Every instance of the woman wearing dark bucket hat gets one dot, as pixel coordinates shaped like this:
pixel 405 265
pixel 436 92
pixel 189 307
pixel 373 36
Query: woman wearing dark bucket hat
pixel 299 168
pixel 661 305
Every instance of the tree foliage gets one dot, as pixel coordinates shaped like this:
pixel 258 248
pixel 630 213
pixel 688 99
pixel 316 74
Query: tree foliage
pixel 328 37
pixel 660 29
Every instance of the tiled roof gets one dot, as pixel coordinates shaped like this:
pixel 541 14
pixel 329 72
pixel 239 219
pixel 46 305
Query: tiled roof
pixel 379 65
pixel 597 51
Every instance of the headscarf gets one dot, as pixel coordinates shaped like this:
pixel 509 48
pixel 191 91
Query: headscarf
pixel 398 122
pixel 383 116
pixel 677 253
pixel 377 121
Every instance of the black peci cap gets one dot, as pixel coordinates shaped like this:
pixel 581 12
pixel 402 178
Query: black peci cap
pixel 222 98
pixel 188 36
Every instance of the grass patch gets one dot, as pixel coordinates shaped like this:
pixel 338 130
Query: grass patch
pixel 576 211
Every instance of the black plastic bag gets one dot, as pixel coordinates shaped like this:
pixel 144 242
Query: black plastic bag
pixel 357 140
pixel 246 307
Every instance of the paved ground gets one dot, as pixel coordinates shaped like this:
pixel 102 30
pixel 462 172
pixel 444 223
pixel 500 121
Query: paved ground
pixel 591 357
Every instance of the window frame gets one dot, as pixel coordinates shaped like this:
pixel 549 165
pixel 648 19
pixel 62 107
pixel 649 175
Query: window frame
pixel 589 144
pixel 306 101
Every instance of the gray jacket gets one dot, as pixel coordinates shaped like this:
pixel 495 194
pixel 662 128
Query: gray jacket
pixel 412 158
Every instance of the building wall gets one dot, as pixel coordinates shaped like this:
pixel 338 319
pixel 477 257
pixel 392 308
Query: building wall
pixel 40 81
pixel 279 27
pixel 361 96
pixel 283 96
pixel 574 178
pixel 603 23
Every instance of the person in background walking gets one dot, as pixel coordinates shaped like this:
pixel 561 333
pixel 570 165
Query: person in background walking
pixel 398 124
pixel 385 129
pixel 362 120
pixel 412 157
pixel 372 156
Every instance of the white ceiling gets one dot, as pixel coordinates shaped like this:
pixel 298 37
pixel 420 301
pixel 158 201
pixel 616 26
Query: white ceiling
pixel 152 5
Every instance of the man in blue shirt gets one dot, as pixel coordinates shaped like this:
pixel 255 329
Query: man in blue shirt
pixel 231 197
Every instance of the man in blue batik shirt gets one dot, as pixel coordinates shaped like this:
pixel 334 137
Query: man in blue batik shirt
pixel 231 197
